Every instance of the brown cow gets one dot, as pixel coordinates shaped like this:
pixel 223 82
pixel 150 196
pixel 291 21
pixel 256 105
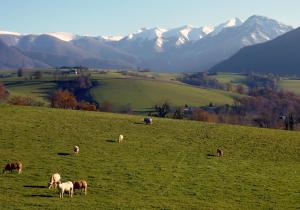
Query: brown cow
pixel 13 166
pixel 81 185
pixel 220 153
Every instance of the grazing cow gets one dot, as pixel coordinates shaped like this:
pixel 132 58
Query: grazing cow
pixel 76 149
pixel 121 138
pixel 65 187
pixel 148 121
pixel 220 153
pixel 54 180
pixel 81 185
pixel 13 166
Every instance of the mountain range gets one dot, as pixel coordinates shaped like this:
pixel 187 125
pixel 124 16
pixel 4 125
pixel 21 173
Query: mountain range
pixel 184 49
pixel 279 56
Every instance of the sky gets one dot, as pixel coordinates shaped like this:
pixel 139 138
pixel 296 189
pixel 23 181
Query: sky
pixel 121 17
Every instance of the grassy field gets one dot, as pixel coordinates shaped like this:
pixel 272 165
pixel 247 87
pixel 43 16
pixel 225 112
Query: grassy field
pixel 39 90
pixel 169 165
pixel 226 78
pixel 143 94
pixel 140 90
pixel 291 85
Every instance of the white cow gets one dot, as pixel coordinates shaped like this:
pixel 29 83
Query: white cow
pixel 121 138
pixel 54 179
pixel 65 187
pixel 76 149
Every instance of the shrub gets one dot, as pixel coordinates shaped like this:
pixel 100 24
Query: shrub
pixel 3 92
pixel 83 105
pixel 21 100
pixel 63 99
pixel 201 115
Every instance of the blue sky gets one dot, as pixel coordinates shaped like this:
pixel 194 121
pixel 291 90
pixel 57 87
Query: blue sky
pixel 120 17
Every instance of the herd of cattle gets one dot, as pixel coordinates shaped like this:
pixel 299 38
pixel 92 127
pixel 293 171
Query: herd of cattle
pixel 55 179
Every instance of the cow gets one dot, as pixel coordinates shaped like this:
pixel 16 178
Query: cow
pixel 76 149
pixel 121 139
pixel 65 187
pixel 13 166
pixel 80 185
pixel 54 179
pixel 148 121
pixel 220 153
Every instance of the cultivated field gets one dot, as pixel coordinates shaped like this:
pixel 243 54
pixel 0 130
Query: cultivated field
pixel 170 164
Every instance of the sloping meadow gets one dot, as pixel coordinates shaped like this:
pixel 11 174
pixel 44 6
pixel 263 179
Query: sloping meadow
pixel 170 164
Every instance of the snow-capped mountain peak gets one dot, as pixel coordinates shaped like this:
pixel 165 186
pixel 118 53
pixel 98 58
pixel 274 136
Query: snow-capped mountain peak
pixel 147 33
pixel 187 33
pixel 234 22
pixel 64 36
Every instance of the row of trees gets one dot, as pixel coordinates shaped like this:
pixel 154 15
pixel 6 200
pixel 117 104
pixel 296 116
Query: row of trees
pixel 204 79
pixel 267 109
pixel 35 75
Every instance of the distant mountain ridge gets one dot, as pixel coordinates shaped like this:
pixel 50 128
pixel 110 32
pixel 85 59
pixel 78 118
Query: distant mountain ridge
pixel 184 49
pixel 279 56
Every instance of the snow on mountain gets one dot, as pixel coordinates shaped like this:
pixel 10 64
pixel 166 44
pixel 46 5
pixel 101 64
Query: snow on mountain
pixel 149 34
pixel 262 29
pixel 235 22
pixel 112 38
pixel 187 33
pixel 146 33
pixel 64 36
pixel 9 33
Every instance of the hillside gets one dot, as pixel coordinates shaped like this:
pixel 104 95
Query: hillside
pixel 279 56
pixel 158 166
pixel 142 90
pixel 11 57
pixel 142 94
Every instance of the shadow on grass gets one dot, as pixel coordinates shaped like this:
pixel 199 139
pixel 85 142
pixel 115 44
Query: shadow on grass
pixel 41 196
pixel 111 141
pixel 210 155
pixel 139 123
pixel 34 186
pixel 63 154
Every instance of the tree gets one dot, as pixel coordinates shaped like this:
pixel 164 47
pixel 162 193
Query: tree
pixel 240 89
pixel 163 110
pixel 63 99
pixel 84 82
pixel 289 122
pixel 178 114
pixel 20 72
pixel 37 75
pixel 229 87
